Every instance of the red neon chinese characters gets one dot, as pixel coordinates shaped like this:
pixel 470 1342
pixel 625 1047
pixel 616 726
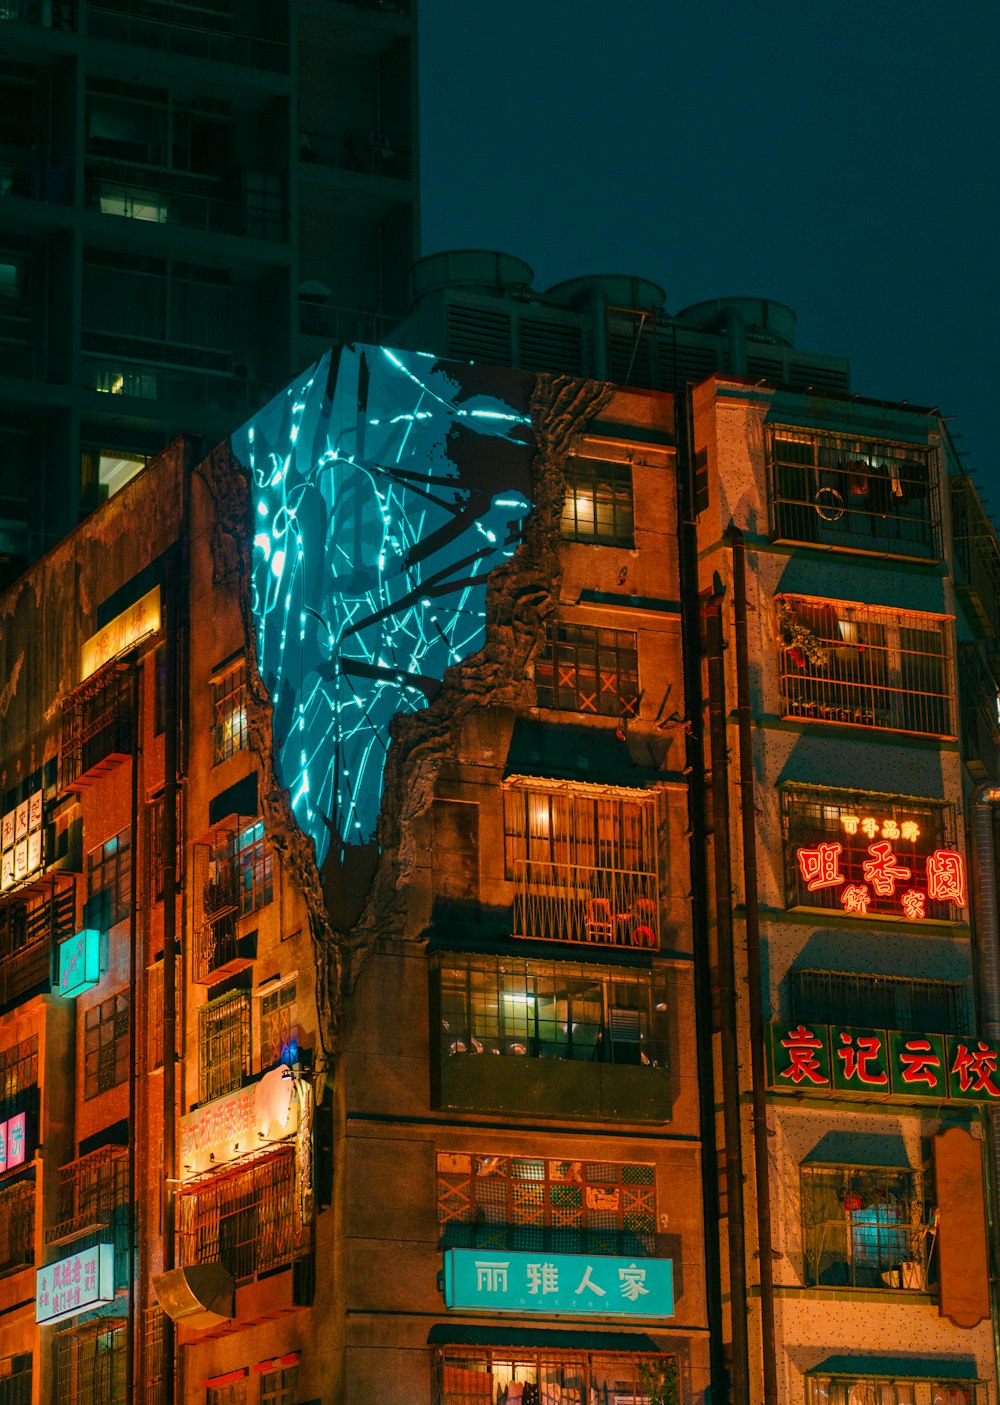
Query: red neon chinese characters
pixel 802 1044
pixel 820 867
pixel 918 1061
pixel 855 898
pixel 946 877
pixel 882 871
pixel 856 1061
pixel 914 903
pixel 976 1069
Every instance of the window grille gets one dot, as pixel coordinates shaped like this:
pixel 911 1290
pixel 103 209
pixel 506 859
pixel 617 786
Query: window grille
pixel 15 1379
pixel 864 666
pixel 980 710
pixel 31 923
pixel 479 1376
pixel 811 816
pixel 553 1010
pixel 223 1045
pixel 280 1387
pixel 96 726
pixel 18 1076
pixel 229 1393
pixel 865 1227
pixel 584 864
pixel 240 873
pixel 977 557
pixel 109 881
pixel 154 1016
pixel 17 1231
pixel 880 1002
pixel 93 1191
pixel 528 1203
pixel 279 1043
pixel 585 669
pixel 247 1220
pixel 893 1390
pixel 598 503
pixel 90 1363
pixel 156 852
pixel 858 494
pixel 153 1356
pixel 106 1045
pixel 229 714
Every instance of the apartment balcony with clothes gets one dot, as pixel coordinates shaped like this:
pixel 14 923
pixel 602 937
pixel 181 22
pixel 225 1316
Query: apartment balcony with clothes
pixel 867 1228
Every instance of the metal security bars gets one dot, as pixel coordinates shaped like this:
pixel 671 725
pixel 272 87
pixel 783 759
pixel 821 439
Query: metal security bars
pixel 980 709
pixel 223 1045
pixel 93 1191
pixel 32 921
pixel 866 1227
pixel 233 878
pixel 584 669
pixel 109 881
pixel 584 864
pixel 106 1045
pixel 598 505
pixel 551 1010
pixel 17 1230
pixel 15 1379
pixel 879 1002
pixel 90 1363
pixel 229 713
pixel 864 666
pixel 868 495
pixel 96 726
pixel 481 1375
pixel 824 1389
pixel 977 560
pixel 248 1220
pixel 531 1203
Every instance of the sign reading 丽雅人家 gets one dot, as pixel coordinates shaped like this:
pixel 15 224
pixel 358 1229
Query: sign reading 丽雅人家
pixel 231 1127
pixel 500 1280
pixel 121 633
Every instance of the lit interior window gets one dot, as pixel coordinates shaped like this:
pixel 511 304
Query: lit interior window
pixel 115 469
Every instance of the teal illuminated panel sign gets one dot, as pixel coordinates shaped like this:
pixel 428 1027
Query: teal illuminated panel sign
pixel 493 1280
pixel 73 1285
pixel 80 962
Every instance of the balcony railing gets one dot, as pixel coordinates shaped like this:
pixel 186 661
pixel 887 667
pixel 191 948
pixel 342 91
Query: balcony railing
pixel 248 1220
pixel 17 1229
pixel 980 701
pixel 96 727
pixel 344 324
pixel 977 563
pixel 223 948
pixel 157 197
pixel 32 920
pixel 50 14
pixel 93 1192
pixel 578 903
pixel 137 23
pixel 200 390
pixel 373 157
pixel 49 183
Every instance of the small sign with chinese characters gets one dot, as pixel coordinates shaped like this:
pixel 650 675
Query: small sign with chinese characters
pixel 819 1058
pixel 13 1142
pixel 496 1280
pixel 79 962
pixel 239 1123
pixel 122 633
pixel 21 842
pixel 72 1285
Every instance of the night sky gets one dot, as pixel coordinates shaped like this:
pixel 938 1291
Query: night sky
pixel 838 158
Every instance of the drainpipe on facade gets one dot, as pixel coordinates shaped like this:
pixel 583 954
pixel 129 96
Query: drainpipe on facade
pixel 134 1238
pixel 731 1119
pixel 169 847
pixel 754 993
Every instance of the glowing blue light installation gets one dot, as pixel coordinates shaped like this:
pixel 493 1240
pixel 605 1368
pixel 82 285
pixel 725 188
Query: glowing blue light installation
pixel 386 486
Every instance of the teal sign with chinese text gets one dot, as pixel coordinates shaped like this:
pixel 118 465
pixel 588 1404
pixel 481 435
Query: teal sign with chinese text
pixel 495 1280
pixel 80 962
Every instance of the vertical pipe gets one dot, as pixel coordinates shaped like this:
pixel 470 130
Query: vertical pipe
pixel 133 990
pixel 754 991
pixel 731 1120
pixel 169 846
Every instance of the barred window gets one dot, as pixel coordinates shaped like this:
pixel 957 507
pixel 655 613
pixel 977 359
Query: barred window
pixel 18 1075
pixel 156 851
pixel 824 1389
pixel 280 1387
pixel 153 1361
pixel 17 1231
pixel 529 1203
pixel 859 494
pixel 154 1015
pixel 279 1041
pixel 228 1392
pixel 109 881
pixel 865 666
pixel 96 725
pixel 229 713
pixel 223 1045
pixel 880 1002
pixel 478 1376
pixel 240 873
pixel 585 669
pixel 598 504
pixel 106 1045
pixel 15 1379
pixel 90 1363
pixel 249 1220
pixel 865 1227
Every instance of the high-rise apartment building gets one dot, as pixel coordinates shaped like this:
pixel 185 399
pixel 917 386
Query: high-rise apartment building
pixel 195 200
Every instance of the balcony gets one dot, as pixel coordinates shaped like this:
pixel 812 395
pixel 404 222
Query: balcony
pixel 93 1194
pixel 977 565
pixel 96 727
pixel 49 14
pixel 344 324
pixel 34 182
pixel 148 25
pixel 223 950
pixel 32 920
pixel 193 389
pixel 196 202
pixel 579 903
pixel 980 702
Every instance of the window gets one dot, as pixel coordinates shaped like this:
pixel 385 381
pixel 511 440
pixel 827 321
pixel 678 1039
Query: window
pixel 893 1390
pixel 96 726
pixel 29 924
pixel 598 504
pixel 17 1232
pixel 879 1002
pixel 90 1363
pixel 280 1386
pixel 860 494
pixel 865 1227
pixel 479 1376
pixel 240 873
pixel 231 1391
pixel 864 666
pixel 92 1191
pixel 585 669
pixel 867 854
pixel 154 1015
pixel 104 472
pixel 528 1203
pixel 106 1052
pixel 584 862
pixel 279 1039
pixel 552 1010
pixel 229 714
pixel 156 852
pixel 249 1220
pixel 19 1077
pixel 15 1379
pixel 223 1045
pixel 153 1363
pixel 109 881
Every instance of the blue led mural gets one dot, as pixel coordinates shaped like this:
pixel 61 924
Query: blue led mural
pixel 386 486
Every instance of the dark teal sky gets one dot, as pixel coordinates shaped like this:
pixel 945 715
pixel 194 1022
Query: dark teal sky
pixel 840 158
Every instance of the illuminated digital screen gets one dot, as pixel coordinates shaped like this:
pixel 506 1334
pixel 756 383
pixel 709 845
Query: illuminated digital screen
pixel 386 487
